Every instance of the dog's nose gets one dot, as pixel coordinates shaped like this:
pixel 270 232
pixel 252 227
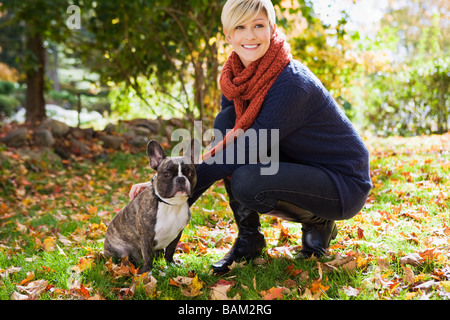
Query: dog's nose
pixel 181 179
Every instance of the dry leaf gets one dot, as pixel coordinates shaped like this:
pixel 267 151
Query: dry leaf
pixel 33 288
pixel 273 293
pixel 49 244
pixel 350 291
pixel 30 276
pixel 350 266
pixel 413 259
pixel 409 275
pixel 17 296
pixel 190 287
pixel 220 289
pixel 150 286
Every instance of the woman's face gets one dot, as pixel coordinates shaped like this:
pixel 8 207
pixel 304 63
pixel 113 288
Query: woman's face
pixel 251 40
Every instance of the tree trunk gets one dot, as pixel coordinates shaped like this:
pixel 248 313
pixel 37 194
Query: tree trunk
pixel 34 100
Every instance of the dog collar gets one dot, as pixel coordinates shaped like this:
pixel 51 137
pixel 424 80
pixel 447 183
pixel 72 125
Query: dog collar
pixel 155 192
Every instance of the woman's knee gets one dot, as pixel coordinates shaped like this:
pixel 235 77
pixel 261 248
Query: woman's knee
pixel 244 185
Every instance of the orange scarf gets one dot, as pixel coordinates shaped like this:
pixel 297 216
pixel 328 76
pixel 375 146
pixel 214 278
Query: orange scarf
pixel 248 87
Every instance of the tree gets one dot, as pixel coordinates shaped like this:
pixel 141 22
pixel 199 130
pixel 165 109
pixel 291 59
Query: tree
pixel 158 48
pixel 411 96
pixel 40 20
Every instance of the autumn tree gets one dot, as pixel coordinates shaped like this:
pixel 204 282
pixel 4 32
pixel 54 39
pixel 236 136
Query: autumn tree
pixel 411 95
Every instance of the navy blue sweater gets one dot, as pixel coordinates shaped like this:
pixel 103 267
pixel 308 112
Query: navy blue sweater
pixel 312 131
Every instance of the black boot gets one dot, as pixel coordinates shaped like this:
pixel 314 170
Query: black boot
pixel 317 232
pixel 250 240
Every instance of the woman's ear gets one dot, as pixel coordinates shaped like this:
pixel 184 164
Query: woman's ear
pixel 227 38
pixel 274 29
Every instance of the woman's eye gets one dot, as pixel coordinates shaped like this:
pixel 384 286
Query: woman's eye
pixel 239 27
pixel 259 26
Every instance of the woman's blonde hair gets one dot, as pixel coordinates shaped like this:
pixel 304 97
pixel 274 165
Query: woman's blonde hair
pixel 238 12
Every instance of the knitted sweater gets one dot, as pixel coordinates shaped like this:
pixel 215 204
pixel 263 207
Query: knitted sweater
pixel 312 131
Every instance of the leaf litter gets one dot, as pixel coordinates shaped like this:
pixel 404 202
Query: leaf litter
pixel 397 247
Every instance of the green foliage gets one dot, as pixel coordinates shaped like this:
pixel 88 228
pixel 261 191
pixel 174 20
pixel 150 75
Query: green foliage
pixel 8 102
pixel 410 94
pixel 6 87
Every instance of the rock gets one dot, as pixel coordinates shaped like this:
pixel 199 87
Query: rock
pixel 110 128
pixel 79 147
pixel 153 125
pixel 16 138
pixel 139 141
pixel 45 138
pixel 79 133
pixel 58 128
pixel 141 131
pixel 111 141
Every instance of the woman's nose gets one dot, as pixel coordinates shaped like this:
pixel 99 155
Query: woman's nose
pixel 250 34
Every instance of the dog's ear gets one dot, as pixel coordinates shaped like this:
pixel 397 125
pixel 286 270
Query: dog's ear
pixel 155 154
pixel 194 151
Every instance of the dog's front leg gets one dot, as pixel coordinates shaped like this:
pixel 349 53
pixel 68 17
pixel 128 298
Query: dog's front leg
pixel 147 253
pixel 170 249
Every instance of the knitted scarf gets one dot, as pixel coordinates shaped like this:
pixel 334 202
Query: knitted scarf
pixel 248 87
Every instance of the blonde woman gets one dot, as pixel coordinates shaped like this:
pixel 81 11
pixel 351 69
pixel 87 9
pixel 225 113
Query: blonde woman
pixel 322 163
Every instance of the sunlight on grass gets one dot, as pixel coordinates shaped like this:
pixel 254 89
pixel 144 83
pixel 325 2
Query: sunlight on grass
pixel 53 216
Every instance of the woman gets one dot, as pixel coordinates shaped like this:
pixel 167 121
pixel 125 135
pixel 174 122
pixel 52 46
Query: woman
pixel 323 169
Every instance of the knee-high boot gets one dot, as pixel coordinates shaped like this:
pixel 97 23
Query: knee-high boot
pixel 317 232
pixel 250 240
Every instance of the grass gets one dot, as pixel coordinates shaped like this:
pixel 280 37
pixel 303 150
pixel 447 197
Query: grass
pixel 53 216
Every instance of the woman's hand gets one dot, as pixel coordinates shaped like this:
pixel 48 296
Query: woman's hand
pixel 138 188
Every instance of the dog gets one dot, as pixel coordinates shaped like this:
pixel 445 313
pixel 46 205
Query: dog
pixel 155 219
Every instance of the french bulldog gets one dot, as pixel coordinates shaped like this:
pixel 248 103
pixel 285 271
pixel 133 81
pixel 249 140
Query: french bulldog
pixel 155 219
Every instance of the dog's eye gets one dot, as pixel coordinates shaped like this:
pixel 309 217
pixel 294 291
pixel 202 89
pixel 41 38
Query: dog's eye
pixel 166 174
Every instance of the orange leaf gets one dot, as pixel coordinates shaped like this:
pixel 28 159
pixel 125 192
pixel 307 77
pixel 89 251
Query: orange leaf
pixel 202 248
pixel 293 272
pixel 30 276
pixel 92 210
pixel 173 283
pixel 317 286
pixel 273 293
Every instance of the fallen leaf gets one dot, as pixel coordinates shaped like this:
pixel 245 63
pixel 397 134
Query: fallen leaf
pixel 150 286
pixel 18 296
pixel 30 276
pixel 413 259
pixel 291 271
pixel 409 275
pixel 92 210
pixel 360 233
pixel 220 289
pixel 445 285
pixel 190 287
pixel 317 286
pixel 273 293
pixel 49 244
pixel 350 291
pixel 203 249
pixel 33 288
pixel 289 283
pixel 426 285
pixel 350 266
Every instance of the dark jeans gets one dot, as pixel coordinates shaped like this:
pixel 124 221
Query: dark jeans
pixel 305 186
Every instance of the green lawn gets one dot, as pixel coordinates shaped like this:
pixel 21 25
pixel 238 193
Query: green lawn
pixel 53 217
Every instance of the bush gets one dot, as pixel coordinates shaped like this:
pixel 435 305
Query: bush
pixel 6 87
pixel 8 104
